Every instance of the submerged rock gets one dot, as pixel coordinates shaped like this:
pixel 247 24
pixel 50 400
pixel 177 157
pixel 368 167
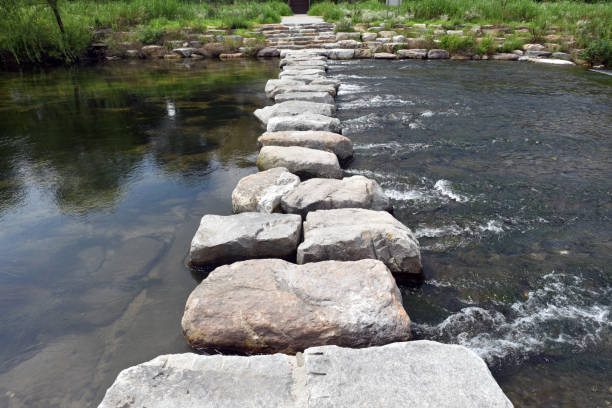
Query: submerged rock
pixel 419 374
pixel 304 121
pixel 350 234
pixel 304 162
pixel 327 194
pixel 262 192
pixel 340 145
pixel 224 239
pixel 270 305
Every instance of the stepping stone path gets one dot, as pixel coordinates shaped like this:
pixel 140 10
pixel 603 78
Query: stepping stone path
pixel 274 306
pixel 335 288
pixel 352 233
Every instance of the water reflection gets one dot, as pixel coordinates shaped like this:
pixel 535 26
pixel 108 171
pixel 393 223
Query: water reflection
pixel 83 133
pixel 104 174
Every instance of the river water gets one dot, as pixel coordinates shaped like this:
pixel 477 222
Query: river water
pixel 501 169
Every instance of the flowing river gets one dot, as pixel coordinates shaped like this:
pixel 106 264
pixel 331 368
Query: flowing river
pixel 502 170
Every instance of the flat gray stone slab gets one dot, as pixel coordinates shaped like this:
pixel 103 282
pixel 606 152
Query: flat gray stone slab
pixel 224 239
pixel 301 19
pixel 301 161
pixel 327 194
pixel 294 108
pixel 349 234
pixel 302 72
pixel 194 381
pixel 340 145
pixel 273 84
pixel 316 96
pixel 329 88
pixel 418 374
pixel 270 305
pixel 262 192
pixel 304 121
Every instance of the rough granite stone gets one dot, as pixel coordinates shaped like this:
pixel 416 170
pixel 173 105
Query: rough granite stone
pixel 318 97
pixel 301 161
pixel 340 145
pixel 415 53
pixel 349 234
pixel 327 194
pixel 262 192
pixel 418 374
pixel 304 121
pixel 330 89
pixel 293 108
pixel 223 239
pixel 270 305
pixel 438 54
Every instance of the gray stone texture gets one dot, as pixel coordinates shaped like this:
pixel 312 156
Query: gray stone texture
pixel 340 145
pixel 301 161
pixel 262 192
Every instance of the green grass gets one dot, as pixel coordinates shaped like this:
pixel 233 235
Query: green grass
pixel 456 43
pixel 29 33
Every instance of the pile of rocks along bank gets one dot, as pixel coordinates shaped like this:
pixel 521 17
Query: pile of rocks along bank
pixel 414 41
pixel 335 288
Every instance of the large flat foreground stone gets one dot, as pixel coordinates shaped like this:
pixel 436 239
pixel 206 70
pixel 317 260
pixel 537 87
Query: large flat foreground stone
pixel 349 234
pixel 224 239
pixel 262 192
pixel 419 374
pixel 327 194
pixel 305 163
pixel 293 108
pixel 270 305
pixel 340 145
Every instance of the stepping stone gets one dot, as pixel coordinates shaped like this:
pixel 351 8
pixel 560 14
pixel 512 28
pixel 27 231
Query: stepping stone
pixel 340 145
pixel 224 239
pixel 318 97
pixel 293 108
pixel 304 121
pixel 273 84
pixel 384 55
pixel 419 374
pixel 262 192
pixel 303 72
pixel 327 194
pixel 273 306
pixel 349 234
pixel 301 161
pixel 299 69
pixel 341 54
pixel 326 81
pixel 330 89
pixel 312 61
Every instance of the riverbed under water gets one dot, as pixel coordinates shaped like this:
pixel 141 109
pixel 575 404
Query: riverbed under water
pixel 501 169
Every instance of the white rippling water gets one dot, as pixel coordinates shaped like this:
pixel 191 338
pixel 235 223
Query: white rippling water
pixel 562 315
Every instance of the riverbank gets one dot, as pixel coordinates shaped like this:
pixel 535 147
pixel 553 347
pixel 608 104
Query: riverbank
pixel 96 31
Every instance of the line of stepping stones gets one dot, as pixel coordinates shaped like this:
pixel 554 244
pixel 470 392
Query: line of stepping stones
pixel 307 260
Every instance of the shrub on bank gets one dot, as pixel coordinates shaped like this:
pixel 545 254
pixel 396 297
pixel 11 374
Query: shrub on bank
pixel 599 52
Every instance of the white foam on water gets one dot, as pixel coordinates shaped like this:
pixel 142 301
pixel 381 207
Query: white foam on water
pixel 375 102
pixel 348 89
pixel 369 173
pixel 493 226
pixel 427 114
pixel 408 195
pixel 370 146
pixel 560 316
pixel 434 232
pixel 444 187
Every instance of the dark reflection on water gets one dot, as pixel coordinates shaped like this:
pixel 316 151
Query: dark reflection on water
pixel 104 174
pixel 503 172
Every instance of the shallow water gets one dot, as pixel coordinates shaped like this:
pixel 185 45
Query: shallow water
pixel 105 173
pixel 502 170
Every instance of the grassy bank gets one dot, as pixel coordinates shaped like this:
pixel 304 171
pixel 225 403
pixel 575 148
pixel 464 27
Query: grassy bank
pixel 587 23
pixel 29 33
